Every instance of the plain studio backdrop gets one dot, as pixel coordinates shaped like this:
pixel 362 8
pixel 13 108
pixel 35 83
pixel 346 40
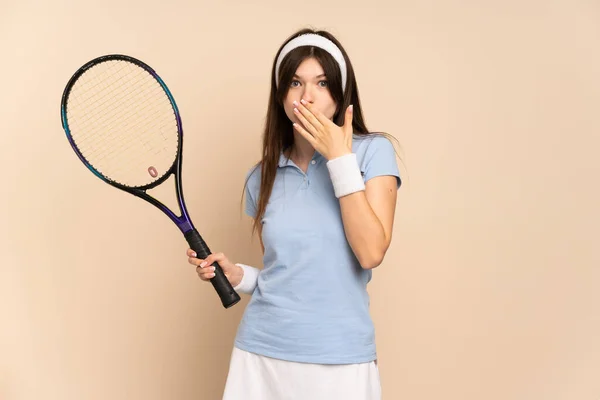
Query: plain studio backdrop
pixel 490 289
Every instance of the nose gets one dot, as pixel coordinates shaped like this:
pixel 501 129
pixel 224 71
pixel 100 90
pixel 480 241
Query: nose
pixel 308 94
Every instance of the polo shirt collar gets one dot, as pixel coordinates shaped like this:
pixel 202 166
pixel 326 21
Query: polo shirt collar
pixel 284 161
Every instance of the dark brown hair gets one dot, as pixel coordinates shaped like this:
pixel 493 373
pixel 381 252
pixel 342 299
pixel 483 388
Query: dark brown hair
pixel 278 135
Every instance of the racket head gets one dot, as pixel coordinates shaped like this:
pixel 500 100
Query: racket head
pixel 122 122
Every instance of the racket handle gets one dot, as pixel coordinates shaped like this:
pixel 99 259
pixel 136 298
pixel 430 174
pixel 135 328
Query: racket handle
pixel 228 296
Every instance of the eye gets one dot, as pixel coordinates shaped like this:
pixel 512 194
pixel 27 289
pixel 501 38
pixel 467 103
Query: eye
pixel 294 82
pixel 323 83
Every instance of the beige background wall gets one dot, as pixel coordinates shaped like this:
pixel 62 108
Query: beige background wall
pixel 490 288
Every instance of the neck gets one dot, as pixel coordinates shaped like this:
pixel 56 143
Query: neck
pixel 301 151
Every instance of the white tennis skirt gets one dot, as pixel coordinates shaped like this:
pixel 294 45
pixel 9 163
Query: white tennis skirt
pixel 255 377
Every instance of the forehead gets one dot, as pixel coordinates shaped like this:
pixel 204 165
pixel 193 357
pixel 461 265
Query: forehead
pixel 309 68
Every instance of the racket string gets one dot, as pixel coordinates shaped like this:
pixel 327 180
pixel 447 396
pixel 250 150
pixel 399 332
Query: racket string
pixel 138 126
pixel 109 96
pixel 122 122
pixel 117 105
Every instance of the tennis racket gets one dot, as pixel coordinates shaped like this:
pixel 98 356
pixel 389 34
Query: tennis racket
pixel 123 123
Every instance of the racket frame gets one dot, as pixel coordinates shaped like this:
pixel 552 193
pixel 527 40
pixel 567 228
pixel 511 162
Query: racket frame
pixel 228 296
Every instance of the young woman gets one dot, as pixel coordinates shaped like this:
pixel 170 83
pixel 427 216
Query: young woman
pixel 323 198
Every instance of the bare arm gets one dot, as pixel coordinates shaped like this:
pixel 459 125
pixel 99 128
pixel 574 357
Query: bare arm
pixel 368 218
pixel 367 215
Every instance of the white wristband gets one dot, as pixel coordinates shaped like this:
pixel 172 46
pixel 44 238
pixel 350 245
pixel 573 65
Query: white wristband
pixel 249 279
pixel 345 175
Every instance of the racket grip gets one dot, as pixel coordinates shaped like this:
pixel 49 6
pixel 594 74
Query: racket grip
pixel 228 296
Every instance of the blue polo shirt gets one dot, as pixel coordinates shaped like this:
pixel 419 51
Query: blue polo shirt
pixel 311 303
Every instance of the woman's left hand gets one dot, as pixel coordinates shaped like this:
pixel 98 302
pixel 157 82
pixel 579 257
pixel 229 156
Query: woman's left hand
pixel 324 135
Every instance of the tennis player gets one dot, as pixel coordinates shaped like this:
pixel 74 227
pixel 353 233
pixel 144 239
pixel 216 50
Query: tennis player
pixel 323 198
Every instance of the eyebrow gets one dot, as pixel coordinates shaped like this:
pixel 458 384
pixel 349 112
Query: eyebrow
pixel 318 76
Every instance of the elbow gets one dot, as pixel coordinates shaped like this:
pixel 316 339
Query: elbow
pixel 371 255
pixel 371 260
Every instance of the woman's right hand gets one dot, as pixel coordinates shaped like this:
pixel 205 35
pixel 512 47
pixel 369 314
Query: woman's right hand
pixel 205 270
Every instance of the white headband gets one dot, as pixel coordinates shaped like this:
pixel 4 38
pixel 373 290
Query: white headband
pixel 311 39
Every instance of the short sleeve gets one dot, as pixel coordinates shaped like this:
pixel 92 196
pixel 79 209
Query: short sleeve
pixel 251 191
pixel 380 159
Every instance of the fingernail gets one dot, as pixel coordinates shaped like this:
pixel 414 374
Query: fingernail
pixel 194 254
pixel 296 111
pixel 295 103
pixel 303 101
pixel 350 108
pixel 203 264
pixel 212 268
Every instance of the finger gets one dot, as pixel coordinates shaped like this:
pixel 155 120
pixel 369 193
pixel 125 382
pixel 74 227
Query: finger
pixel 308 127
pixel 195 261
pixel 308 113
pixel 348 119
pixel 318 115
pixel 191 253
pixel 218 257
pixel 205 273
pixel 311 139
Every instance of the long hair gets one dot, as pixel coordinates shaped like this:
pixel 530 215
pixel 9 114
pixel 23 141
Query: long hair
pixel 278 135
